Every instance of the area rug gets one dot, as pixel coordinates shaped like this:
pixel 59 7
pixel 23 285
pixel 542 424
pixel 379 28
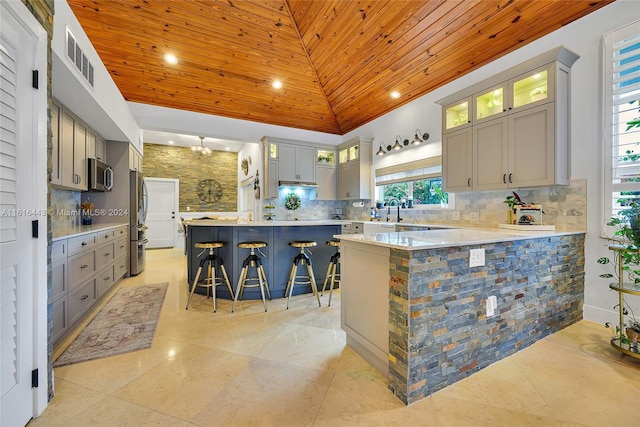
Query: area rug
pixel 126 323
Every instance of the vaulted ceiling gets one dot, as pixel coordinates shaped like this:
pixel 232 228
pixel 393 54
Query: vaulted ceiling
pixel 338 60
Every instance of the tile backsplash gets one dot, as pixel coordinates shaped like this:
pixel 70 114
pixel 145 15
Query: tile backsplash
pixel 65 208
pixel 564 206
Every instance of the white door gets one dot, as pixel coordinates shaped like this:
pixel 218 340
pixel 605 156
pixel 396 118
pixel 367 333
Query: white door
pixel 22 265
pixel 162 211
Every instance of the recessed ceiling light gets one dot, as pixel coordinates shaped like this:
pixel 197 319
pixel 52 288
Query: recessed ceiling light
pixel 170 142
pixel 170 58
pixel 395 94
pixel 227 148
pixel 277 84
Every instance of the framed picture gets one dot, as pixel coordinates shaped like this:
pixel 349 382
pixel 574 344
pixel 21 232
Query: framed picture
pixel 529 214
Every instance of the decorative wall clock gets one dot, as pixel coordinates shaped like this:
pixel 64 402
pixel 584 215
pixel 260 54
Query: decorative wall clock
pixel 209 190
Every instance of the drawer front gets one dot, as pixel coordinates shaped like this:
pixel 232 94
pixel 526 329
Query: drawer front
pixel 59 279
pixel 81 299
pixel 121 232
pixel 121 247
pixel 81 243
pixel 105 236
pixel 120 268
pixel 59 250
pixel 60 315
pixel 104 281
pixel 81 267
pixel 105 255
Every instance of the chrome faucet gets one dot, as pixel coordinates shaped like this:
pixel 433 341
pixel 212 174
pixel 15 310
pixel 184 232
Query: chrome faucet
pixel 398 219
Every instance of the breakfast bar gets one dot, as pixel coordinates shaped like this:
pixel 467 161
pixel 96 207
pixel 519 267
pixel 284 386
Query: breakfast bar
pixel 414 308
pixel 278 254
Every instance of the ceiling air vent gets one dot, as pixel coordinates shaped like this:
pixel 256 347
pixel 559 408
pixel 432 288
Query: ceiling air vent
pixel 78 57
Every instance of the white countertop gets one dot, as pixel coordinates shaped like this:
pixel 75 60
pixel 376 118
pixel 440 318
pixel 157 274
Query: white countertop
pixel 219 223
pixel 78 230
pixel 415 240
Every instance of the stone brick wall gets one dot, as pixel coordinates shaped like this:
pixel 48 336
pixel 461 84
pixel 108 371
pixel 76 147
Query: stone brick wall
pixel 164 161
pixel 438 329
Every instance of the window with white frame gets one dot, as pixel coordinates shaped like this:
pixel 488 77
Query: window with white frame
pixel 419 181
pixel 622 112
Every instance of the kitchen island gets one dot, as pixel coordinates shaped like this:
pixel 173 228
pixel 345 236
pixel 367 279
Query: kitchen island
pixel 279 255
pixel 412 306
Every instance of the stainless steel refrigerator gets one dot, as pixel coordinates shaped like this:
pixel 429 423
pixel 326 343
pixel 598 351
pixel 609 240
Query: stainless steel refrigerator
pixel 139 202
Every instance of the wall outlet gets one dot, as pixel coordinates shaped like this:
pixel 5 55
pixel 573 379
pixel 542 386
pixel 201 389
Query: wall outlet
pixel 474 216
pixel 491 305
pixel 188 208
pixel 476 257
pixel 455 216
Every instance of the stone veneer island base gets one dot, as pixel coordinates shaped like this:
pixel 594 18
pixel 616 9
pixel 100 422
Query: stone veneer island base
pixel 414 309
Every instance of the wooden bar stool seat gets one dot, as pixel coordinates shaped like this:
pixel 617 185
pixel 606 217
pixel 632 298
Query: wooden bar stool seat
pixel 214 263
pixel 302 258
pixel 260 281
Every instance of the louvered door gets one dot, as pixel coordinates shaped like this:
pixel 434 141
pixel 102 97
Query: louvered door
pixel 17 248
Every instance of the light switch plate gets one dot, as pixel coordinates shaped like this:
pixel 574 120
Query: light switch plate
pixel 476 257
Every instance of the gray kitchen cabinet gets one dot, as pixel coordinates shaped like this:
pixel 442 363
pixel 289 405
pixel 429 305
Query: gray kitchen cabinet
pixel 354 169
pixel 518 130
pixel 101 149
pixel 296 163
pixel 326 177
pixel 457 160
pixel 83 269
pixel 135 160
pixel 271 183
pixel 56 157
pixel 91 144
pixel 73 155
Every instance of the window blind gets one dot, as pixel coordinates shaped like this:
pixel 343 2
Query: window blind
pixel 622 87
pixel 430 167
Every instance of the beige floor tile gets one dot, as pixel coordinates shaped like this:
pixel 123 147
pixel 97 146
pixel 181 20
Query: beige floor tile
pixel 69 401
pixel 268 393
pixel 111 373
pixel 184 384
pixel 307 347
pixel 111 412
pixel 292 368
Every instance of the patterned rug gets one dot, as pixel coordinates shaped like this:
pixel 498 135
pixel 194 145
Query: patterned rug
pixel 126 323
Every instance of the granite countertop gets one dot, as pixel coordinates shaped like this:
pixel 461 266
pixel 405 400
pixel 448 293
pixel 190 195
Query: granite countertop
pixel 445 238
pixel 78 230
pixel 222 223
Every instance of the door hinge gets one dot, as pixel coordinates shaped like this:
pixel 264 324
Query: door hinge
pixel 34 79
pixel 34 228
pixel 34 378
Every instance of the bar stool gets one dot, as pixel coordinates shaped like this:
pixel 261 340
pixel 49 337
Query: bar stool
pixel 334 263
pixel 212 261
pixel 254 261
pixel 301 258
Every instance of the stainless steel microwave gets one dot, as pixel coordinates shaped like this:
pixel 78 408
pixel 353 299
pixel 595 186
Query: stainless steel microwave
pixel 100 176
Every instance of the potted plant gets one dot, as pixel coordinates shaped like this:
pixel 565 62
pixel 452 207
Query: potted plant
pixel 633 331
pixel 512 202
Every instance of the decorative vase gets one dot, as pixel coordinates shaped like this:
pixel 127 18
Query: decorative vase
pixel 633 335
pixel 511 216
pixel 87 220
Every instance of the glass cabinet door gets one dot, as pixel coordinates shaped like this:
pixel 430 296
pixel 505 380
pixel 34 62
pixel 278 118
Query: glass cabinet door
pixel 273 150
pixel 343 155
pixel 490 103
pixel 533 87
pixel 457 115
pixel 353 153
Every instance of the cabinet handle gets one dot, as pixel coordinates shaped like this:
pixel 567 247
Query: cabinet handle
pixel 107 254
pixel 84 266
pixel 106 237
pixel 468 182
pixel 504 178
pixel 84 297
pixel 85 243
pixel 510 178
pixel 107 278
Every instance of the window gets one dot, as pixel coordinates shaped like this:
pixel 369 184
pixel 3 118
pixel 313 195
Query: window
pixel 419 181
pixel 622 107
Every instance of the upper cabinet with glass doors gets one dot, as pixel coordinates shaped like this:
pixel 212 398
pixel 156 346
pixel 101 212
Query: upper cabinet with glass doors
pixel 530 89
pixel 456 115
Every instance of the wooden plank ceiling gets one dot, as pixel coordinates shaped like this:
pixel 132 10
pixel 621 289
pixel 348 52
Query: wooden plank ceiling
pixel 338 60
